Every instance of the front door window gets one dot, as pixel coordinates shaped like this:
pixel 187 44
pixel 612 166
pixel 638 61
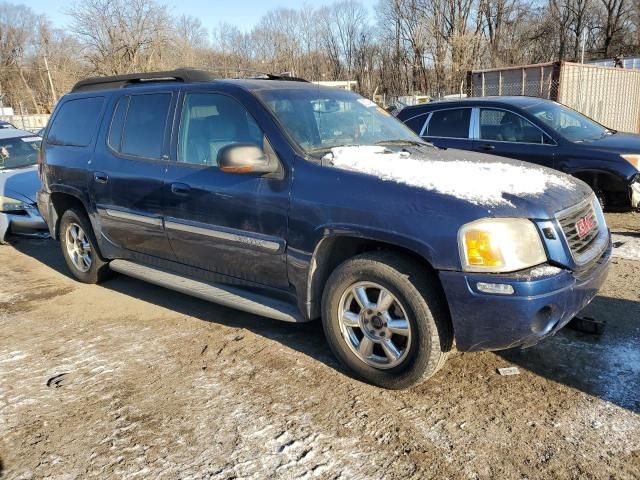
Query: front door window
pixel 505 126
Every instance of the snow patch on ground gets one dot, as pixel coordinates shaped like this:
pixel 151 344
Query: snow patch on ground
pixel 481 183
pixel 626 246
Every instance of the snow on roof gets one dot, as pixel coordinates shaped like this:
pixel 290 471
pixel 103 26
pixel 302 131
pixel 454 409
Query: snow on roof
pixel 479 182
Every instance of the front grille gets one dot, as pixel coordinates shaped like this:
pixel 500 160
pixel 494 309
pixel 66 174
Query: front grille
pixel 568 222
pixel 580 246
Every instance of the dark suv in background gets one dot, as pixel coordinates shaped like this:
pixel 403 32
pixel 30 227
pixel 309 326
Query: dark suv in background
pixel 296 202
pixel 538 131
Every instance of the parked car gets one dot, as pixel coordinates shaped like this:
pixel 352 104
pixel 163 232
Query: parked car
pixel 4 124
pixel 538 131
pixel 19 183
pixel 295 202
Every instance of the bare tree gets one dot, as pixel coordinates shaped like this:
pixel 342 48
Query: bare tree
pixel 121 36
pixel 616 13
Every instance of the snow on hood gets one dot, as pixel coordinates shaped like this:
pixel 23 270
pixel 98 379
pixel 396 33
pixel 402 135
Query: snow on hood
pixel 479 182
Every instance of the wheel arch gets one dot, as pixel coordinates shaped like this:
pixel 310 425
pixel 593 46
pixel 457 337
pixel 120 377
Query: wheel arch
pixel 592 176
pixel 613 187
pixel 331 250
pixel 60 201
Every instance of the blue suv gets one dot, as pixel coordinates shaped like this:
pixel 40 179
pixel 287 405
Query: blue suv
pixel 297 202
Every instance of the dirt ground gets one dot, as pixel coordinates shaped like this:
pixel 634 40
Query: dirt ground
pixel 129 380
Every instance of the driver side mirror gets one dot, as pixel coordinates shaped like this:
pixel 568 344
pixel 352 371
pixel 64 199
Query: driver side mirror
pixel 246 158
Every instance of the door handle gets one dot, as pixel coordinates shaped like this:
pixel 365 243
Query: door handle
pixel 488 147
pixel 180 188
pixel 100 177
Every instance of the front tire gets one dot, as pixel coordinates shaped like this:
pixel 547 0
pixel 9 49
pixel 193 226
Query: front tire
pixel 80 249
pixel 386 320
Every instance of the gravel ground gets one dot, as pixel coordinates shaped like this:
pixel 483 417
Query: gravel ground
pixel 129 380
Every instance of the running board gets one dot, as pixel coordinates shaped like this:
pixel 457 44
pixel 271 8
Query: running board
pixel 216 293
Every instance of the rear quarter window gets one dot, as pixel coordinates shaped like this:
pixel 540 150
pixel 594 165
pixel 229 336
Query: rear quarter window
pixel 76 123
pixel 416 123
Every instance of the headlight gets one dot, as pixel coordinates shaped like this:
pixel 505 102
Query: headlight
pixel 12 205
pixel 633 159
pixel 500 245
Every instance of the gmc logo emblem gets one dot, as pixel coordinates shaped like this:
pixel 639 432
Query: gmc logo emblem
pixel 585 225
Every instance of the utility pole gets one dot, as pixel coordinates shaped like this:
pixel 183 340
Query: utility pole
pixel 53 90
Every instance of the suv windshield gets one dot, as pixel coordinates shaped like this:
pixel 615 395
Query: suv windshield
pixel 569 123
pixel 19 152
pixel 320 119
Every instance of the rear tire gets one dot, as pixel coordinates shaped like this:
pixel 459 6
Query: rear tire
pixel 397 342
pixel 80 248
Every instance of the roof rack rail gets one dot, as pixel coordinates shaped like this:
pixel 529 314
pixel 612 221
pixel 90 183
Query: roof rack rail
pixel 285 78
pixel 116 81
pixel 186 75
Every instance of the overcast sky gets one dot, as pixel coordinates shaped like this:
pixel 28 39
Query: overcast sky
pixel 242 13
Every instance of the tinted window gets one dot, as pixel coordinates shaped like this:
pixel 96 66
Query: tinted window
pixel 452 123
pixel 505 126
pixel 145 124
pixel 117 123
pixel 211 121
pixel 76 122
pixel 416 123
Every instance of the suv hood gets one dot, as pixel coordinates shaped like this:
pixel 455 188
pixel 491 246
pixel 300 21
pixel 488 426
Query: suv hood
pixel 20 183
pixel 495 185
pixel 617 143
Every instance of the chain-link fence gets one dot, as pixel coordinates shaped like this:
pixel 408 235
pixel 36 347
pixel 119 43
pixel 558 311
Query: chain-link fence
pixel 610 96
pixel 26 122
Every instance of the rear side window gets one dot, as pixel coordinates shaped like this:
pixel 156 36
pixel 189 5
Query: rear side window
pixel 144 125
pixel 416 123
pixel 452 123
pixel 76 123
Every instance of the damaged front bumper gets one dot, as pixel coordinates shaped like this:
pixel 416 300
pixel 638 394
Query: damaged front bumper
pixel 538 307
pixel 26 222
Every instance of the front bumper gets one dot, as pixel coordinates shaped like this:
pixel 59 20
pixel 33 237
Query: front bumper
pixel 538 308
pixel 30 223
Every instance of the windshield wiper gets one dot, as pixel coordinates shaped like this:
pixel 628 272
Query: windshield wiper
pixel 403 142
pixel 327 148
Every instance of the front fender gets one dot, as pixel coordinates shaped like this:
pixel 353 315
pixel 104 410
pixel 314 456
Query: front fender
pixel 618 168
pixel 418 246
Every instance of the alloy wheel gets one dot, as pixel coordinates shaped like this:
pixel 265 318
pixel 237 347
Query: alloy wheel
pixel 375 325
pixel 78 247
